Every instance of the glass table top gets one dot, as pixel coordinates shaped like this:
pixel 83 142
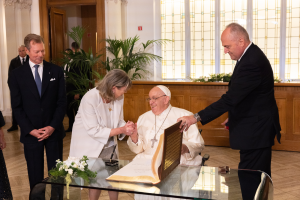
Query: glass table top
pixel 184 182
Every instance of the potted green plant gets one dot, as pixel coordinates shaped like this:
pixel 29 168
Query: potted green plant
pixel 128 57
pixel 84 62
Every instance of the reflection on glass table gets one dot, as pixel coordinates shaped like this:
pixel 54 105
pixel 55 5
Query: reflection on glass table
pixel 187 182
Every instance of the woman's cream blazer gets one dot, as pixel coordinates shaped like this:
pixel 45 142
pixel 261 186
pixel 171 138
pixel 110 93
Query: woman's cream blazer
pixel 90 132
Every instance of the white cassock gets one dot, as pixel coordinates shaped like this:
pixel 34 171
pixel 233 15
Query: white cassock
pixel 146 131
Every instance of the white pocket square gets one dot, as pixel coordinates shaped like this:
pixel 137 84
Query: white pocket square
pixel 52 79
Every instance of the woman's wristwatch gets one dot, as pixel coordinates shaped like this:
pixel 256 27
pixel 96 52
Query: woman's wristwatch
pixel 197 117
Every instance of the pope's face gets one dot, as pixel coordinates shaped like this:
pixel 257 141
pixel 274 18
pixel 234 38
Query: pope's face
pixel 36 53
pixel 158 100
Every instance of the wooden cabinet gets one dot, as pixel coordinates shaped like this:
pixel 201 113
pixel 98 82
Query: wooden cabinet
pixel 196 96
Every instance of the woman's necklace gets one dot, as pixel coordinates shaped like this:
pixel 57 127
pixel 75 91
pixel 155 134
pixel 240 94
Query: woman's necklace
pixel 109 106
pixel 154 138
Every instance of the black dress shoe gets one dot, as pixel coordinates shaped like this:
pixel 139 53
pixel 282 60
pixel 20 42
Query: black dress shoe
pixel 68 130
pixel 12 128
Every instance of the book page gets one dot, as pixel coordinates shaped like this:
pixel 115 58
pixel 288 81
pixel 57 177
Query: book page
pixel 141 170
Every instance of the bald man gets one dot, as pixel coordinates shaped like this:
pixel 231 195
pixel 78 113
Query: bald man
pixel 15 63
pixel 152 124
pixel 253 118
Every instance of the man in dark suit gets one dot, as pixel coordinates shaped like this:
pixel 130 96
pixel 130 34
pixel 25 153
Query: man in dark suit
pixel 253 118
pixel 15 63
pixel 38 99
pixel 72 107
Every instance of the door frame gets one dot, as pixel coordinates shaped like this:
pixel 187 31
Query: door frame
pixel 44 6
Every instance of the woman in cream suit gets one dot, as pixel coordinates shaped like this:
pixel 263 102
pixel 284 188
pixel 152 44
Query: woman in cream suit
pixel 99 121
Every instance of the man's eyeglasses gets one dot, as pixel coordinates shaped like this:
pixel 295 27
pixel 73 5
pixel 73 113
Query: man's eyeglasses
pixel 154 99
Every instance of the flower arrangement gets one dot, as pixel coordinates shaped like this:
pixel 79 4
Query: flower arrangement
pixel 72 167
pixel 214 78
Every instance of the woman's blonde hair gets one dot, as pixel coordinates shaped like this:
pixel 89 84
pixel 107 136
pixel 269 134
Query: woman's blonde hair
pixel 115 77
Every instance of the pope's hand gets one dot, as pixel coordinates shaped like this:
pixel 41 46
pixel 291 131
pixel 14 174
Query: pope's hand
pixel 129 128
pixel 186 122
pixel 134 136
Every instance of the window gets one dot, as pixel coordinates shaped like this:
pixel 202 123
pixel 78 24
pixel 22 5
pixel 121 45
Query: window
pixel 202 20
pixel 231 11
pixel 262 18
pixel 173 28
pixel 292 68
pixel 266 28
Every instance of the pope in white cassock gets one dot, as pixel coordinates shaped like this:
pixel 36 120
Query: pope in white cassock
pixel 152 124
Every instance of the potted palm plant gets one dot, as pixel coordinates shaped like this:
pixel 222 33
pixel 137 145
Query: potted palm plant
pixel 83 63
pixel 126 55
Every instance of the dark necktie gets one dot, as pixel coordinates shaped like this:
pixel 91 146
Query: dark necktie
pixel 23 61
pixel 38 79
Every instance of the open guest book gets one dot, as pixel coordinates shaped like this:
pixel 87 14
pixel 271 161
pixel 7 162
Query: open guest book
pixel 165 159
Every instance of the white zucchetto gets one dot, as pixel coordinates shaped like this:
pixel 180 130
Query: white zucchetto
pixel 165 90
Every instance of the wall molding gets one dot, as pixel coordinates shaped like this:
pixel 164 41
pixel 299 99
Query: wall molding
pixel 19 4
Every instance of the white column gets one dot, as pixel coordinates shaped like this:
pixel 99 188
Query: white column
pixel 124 18
pixel 113 19
pixel 3 61
pixel 217 36
pixel 157 35
pixel 26 18
pixel 187 40
pixel 250 18
pixel 282 40
pixel 35 17
pixel 18 24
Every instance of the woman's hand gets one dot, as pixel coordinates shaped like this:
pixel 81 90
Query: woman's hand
pixel 129 128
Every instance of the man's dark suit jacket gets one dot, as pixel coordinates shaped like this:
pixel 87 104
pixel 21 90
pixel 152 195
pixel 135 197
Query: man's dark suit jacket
pixel 250 102
pixel 33 111
pixel 15 63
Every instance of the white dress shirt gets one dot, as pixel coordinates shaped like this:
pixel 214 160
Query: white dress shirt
pixel 245 51
pixel 40 69
pixel 21 59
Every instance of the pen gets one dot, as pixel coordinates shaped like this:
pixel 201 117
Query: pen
pixel 112 153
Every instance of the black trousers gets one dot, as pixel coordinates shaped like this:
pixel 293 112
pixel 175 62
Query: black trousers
pixel 72 109
pixel 14 121
pixel 34 155
pixel 256 159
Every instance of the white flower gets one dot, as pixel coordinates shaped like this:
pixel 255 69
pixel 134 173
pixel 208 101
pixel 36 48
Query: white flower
pixel 81 167
pixel 206 79
pixel 70 171
pixel 65 166
pixel 61 168
pixel 58 161
pixel 83 163
pixel 75 165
